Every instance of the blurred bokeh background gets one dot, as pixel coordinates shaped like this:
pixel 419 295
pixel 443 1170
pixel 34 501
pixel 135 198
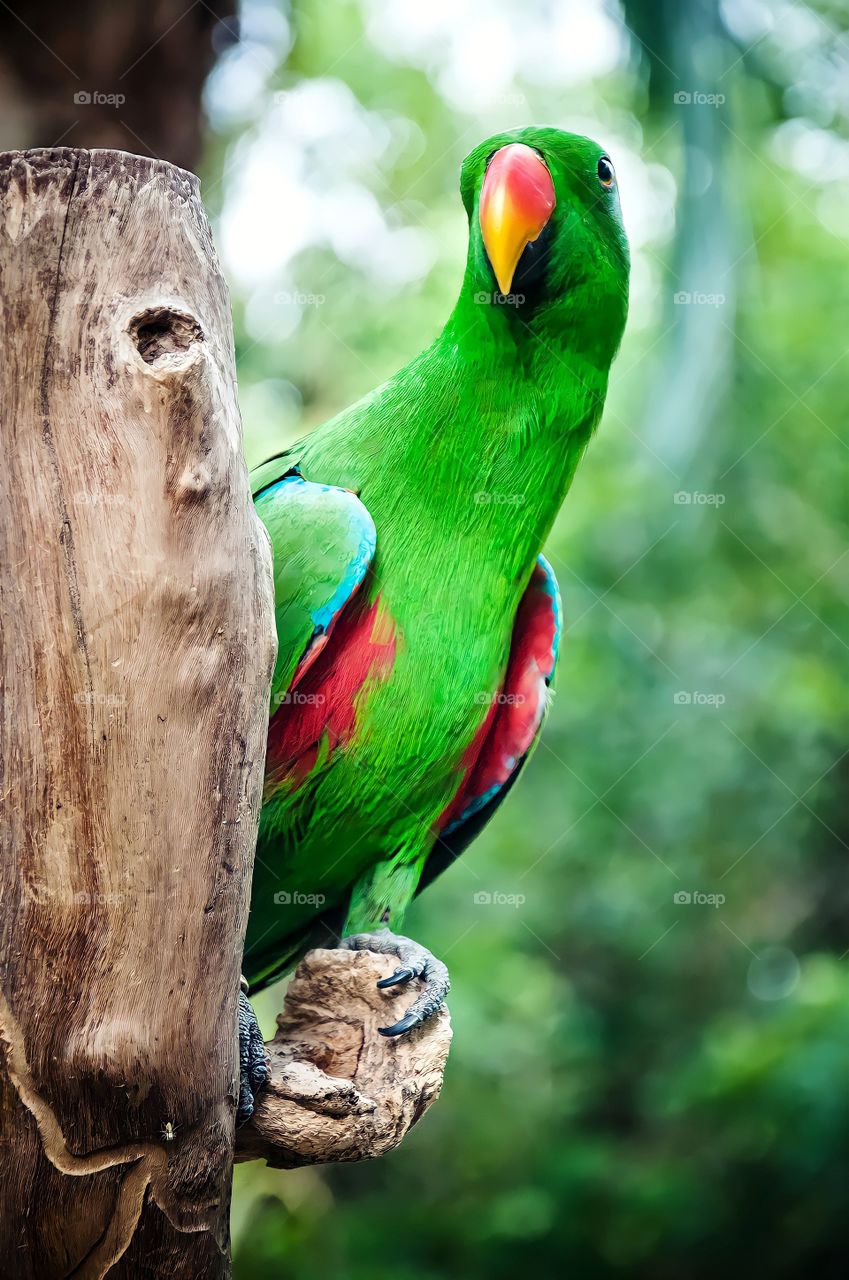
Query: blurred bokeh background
pixel 649 1073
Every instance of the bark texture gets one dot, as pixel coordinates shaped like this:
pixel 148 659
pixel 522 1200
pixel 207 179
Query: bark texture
pixel 339 1090
pixel 136 644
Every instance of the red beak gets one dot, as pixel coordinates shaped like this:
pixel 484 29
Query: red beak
pixel 517 200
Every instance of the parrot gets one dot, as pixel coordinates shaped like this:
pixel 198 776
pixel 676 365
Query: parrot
pixel 418 622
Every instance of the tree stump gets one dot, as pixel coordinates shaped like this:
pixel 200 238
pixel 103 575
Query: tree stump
pixel 136 650
pixel 136 645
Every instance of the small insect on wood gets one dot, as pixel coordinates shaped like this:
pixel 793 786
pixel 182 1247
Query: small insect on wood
pixel 169 1131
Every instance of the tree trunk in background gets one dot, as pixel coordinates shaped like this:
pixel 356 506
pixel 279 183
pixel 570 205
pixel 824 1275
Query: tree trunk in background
pixel 62 66
pixel 136 646
pixel 688 53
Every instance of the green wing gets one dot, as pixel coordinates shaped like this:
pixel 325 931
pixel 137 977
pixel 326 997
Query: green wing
pixel 323 540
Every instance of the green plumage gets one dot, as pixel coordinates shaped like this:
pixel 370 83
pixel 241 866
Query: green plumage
pixel 462 460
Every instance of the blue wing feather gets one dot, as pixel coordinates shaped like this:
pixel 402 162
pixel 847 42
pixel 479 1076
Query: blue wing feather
pixel 323 540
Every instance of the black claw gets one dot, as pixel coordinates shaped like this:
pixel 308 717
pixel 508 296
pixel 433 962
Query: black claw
pixel 398 1028
pixel 415 962
pixel 400 975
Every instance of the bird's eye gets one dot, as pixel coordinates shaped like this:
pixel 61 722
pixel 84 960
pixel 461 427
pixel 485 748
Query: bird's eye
pixel 606 175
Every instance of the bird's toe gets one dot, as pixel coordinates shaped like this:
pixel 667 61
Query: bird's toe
pixel 253 1064
pixel 416 962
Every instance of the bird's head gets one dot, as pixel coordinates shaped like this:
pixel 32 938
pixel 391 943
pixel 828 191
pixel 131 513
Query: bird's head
pixel 547 247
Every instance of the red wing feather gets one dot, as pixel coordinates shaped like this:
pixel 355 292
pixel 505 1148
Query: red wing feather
pixel 503 741
pixel 361 646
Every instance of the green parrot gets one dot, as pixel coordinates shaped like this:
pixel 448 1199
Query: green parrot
pixel 418 624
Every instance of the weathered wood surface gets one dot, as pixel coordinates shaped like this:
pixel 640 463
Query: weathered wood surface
pixel 339 1090
pixel 136 644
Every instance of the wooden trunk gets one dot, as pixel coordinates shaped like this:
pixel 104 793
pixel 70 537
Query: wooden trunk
pixel 136 646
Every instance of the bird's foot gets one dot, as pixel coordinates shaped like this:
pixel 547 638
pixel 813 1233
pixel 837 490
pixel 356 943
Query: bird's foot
pixel 253 1064
pixel 416 962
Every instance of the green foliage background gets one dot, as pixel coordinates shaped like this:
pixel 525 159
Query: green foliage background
pixel 638 1086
